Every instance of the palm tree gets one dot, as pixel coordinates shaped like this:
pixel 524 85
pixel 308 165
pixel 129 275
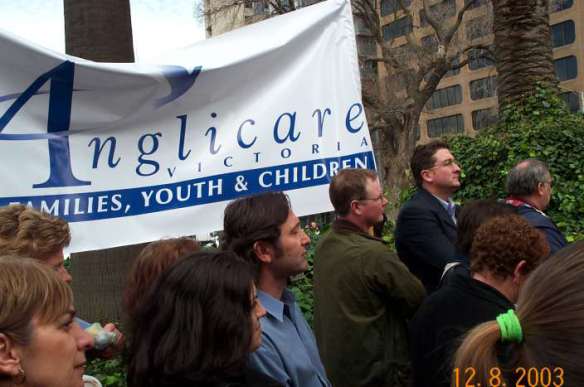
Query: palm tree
pixel 99 30
pixel 523 48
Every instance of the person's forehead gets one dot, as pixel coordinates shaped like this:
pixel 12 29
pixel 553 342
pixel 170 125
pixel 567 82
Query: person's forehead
pixel 291 221
pixel 443 154
pixel 373 184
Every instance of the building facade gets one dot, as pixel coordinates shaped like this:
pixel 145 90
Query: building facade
pixel 466 99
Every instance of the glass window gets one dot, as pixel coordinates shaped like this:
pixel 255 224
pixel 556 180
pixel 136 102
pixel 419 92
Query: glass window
pixel 477 28
pixel 445 97
pixel 392 6
pixel 572 99
pixel 560 5
pixel 450 73
pixel 442 10
pixel 430 42
pixel 476 3
pixel 366 46
pixel 563 33
pixel 479 58
pixel 438 127
pixel 397 28
pixel 483 88
pixel 484 118
pixel 566 68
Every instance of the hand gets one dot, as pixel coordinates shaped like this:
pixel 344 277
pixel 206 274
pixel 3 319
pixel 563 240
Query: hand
pixel 115 348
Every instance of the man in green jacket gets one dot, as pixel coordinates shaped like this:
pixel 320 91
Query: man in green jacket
pixel 364 294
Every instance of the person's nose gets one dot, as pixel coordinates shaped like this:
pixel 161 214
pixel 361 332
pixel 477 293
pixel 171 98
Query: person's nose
pixel 65 275
pixel 260 310
pixel 305 239
pixel 84 340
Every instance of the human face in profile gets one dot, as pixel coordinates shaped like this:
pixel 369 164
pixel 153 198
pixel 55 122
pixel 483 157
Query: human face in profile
pixel 57 263
pixel 55 356
pixel 257 312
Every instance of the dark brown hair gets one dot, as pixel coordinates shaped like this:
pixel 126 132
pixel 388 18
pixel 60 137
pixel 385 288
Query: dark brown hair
pixel 251 219
pixel 472 215
pixel 194 327
pixel 551 313
pixel 423 158
pixel 152 261
pixel 502 242
pixel 348 185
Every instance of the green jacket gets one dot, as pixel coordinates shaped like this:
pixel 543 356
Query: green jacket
pixel 364 295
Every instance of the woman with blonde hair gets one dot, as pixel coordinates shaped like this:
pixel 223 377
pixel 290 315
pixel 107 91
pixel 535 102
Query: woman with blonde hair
pixel 41 345
pixel 542 342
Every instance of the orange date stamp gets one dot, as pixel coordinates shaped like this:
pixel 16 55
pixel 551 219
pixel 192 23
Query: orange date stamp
pixel 523 377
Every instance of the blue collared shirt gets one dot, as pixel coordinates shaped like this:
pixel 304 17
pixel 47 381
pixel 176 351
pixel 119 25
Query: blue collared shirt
pixel 288 352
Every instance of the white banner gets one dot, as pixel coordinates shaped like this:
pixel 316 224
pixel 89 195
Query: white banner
pixel 129 153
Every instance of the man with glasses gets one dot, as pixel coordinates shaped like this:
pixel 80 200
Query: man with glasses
pixel 363 293
pixel 529 186
pixel 425 231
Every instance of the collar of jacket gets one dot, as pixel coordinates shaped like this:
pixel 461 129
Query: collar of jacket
pixel 344 226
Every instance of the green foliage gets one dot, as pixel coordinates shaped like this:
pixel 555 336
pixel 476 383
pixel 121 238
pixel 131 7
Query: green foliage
pixel 540 127
pixel 302 285
pixel 111 373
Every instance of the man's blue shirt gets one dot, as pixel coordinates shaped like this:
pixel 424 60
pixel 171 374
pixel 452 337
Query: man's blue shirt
pixel 288 352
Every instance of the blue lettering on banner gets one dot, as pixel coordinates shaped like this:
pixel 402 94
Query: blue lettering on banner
pixel 89 206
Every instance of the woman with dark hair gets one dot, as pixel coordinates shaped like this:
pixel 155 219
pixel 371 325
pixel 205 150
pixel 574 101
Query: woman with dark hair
pixel 542 339
pixel 198 325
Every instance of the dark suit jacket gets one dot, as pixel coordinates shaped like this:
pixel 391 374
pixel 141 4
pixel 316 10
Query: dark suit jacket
pixel 424 237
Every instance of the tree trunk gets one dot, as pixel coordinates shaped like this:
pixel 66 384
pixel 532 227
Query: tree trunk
pixel 523 48
pixel 398 146
pixel 99 30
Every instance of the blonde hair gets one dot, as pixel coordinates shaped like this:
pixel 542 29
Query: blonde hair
pixel 551 313
pixel 27 232
pixel 29 289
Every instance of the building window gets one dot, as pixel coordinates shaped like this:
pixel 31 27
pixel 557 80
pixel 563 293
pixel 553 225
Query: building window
pixel 484 118
pixel 445 97
pixel 477 28
pixel 483 88
pixel 572 99
pixel 438 127
pixel 392 6
pixel 563 33
pixel 430 42
pixel 366 46
pixel 560 5
pixel 455 62
pixel 475 3
pixel 360 26
pixel 479 58
pixel 397 28
pixel 566 68
pixel 442 10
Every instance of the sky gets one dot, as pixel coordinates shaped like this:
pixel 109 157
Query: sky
pixel 157 25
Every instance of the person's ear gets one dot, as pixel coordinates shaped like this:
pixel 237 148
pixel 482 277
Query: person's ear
pixel 520 272
pixel 427 176
pixel 355 209
pixel 264 251
pixel 9 357
pixel 541 189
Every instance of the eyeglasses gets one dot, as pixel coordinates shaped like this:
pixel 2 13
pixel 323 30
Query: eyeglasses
pixel 379 198
pixel 446 163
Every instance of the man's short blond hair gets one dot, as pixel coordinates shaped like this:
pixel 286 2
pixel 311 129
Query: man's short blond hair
pixel 27 232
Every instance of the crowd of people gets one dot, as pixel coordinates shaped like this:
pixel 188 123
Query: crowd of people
pixel 480 295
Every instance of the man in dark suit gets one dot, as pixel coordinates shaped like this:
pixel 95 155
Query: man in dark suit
pixel 529 185
pixel 425 232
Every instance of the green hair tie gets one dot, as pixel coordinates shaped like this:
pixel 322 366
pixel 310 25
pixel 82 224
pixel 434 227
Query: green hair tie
pixel 510 327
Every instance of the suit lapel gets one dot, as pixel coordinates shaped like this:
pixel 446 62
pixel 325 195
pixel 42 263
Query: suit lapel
pixel 438 207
